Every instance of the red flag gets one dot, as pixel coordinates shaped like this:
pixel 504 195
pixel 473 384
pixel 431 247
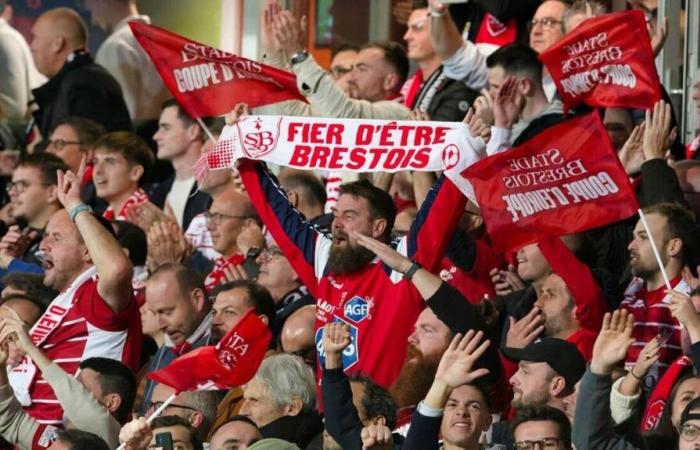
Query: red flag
pixel 564 180
pixel 210 82
pixel 606 62
pixel 232 362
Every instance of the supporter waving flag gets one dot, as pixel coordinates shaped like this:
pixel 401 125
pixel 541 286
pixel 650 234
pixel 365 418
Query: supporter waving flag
pixel 210 82
pixel 605 62
pixel 232 362
pixel 564 180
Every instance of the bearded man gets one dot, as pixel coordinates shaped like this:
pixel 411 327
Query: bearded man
pixel 379 304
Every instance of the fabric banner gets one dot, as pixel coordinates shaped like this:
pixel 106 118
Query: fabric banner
pixel 232 362
pixel 347 144
pixel 606 62
pixel 210 82
pixel 564 180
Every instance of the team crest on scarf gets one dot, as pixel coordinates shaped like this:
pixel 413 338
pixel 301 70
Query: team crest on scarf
pixel 256 141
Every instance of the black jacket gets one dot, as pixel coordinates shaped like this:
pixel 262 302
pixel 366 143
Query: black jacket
pixel 301 429
pixel 197 202
pixel 81 88
pixel 451 100
pixel 341 418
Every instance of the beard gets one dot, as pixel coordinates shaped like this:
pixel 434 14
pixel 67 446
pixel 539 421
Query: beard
pixel 348 259
pixel 415 378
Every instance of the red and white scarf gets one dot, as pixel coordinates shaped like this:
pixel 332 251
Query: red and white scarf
pixel 138 197
pixel 217 275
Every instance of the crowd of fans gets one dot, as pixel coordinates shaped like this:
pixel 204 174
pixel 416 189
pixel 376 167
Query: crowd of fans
pixel 395 324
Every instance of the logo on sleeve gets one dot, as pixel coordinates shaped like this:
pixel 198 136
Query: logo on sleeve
pixel 351 354
pixel 357 309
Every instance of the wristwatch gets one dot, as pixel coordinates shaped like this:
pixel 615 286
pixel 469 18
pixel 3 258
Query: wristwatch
pixel 300 56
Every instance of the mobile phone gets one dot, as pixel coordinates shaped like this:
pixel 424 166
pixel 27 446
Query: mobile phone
pixel 164 441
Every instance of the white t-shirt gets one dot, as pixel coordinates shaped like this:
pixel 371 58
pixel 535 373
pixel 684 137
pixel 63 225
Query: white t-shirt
pixel 178 195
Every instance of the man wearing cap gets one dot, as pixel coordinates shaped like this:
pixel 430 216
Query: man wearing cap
pixel 548 370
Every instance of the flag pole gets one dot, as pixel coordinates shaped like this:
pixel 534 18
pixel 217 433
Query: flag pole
pixel 656 250
pixel 206 130
pixel 155 414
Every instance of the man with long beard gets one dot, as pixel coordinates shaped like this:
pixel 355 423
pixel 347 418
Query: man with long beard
pixel 379 304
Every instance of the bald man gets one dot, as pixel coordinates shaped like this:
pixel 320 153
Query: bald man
pixel 231 220
pixel 298 334
pixel 77 86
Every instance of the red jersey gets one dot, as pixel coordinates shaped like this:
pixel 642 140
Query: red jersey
pixel 86 328
pixel 652 317
pixel 378 304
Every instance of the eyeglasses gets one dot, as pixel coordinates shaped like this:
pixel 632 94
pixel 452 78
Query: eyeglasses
pixel 270 253
pixel 60 144
pixel 21 186
pixel 217 218
pixel 690 432
pixel 155 405
pixel 547 23
pixel 546 443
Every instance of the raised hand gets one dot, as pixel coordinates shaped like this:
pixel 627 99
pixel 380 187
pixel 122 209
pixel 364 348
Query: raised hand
pixel 376 437
pixel 13 244
pixel 657 129
pixel 238 111
pixel 456 364
pixel 683 309
pixel 613 342
pixel 483 106
pixel 336 337
pixel 388 255
pixel 647 358
pixel 689 278
pixel 234 273
pixel 69 186
pixel 289 32
pixel 477 127
pixel 506 281
pixel 523 332
pixel 251 235
pixel 136 435
pixel 507 103
pixel 13 331
pixel 631 154
pixel 267 33
pixel 166 244
pixel 659 38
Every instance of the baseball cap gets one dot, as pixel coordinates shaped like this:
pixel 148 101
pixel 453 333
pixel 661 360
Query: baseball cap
pixel 562 356
pixel 273 444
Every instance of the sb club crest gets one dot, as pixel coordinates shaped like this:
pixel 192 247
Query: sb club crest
pixel 258 137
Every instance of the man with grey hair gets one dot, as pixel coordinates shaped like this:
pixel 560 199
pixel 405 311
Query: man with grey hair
pixel 281 400
pixel 579 11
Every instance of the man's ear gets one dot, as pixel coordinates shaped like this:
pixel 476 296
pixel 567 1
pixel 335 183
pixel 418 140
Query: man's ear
pixel 113 402
pixel 58 44
pixel 136 172
pixel 194 133
pixel 526 87
pixel 195 419
pixel 198 298
pixel 390 82
pixel 293 198
pixel 294 407
pixel 674 247
pixel 263 318
pixel 557 386
pixel 53 193
pixel 378 227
